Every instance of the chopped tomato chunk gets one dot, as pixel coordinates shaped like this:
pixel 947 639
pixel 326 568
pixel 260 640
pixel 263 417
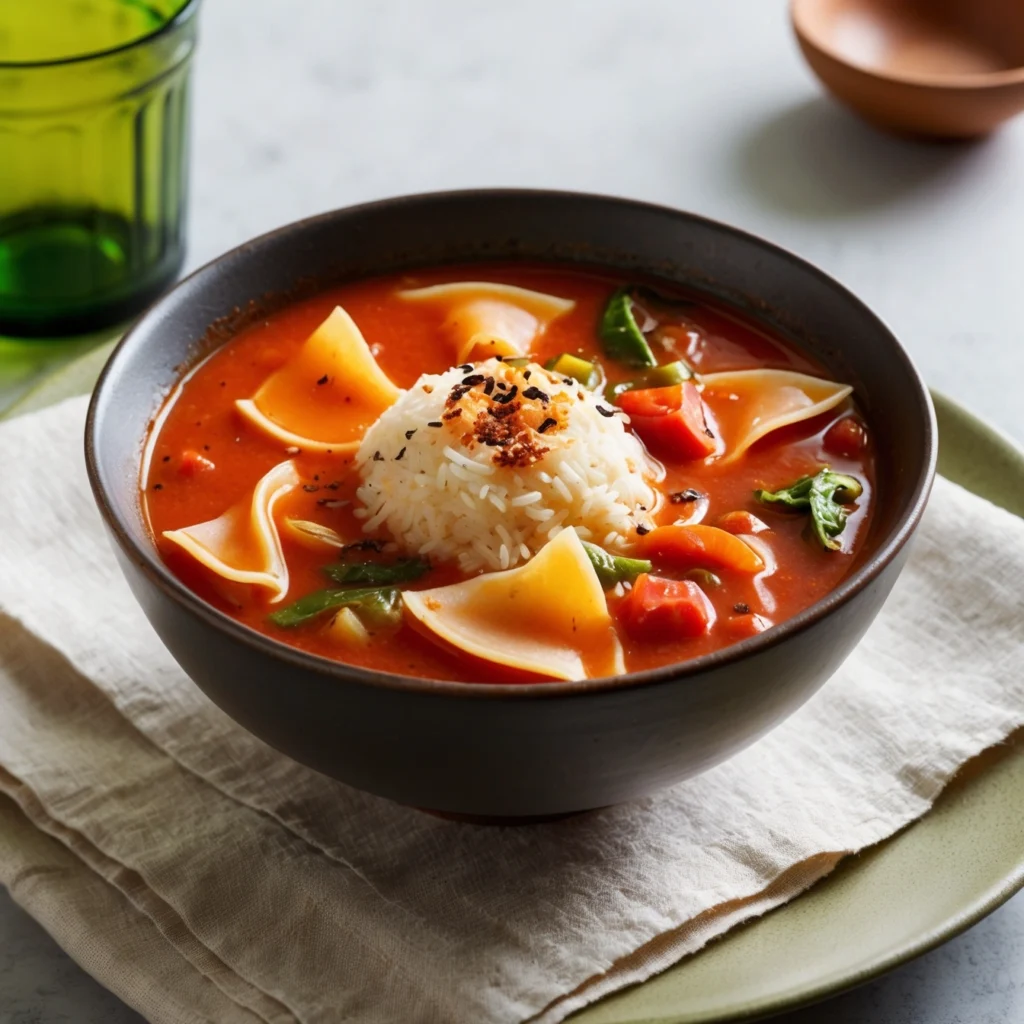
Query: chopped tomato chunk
pixel 741 521
pixel 661 609
pixel 846 437
pixel 739 627
pixel 670 421
pixel 706 547
pixel 192 463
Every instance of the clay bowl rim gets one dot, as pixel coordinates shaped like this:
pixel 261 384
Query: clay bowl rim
pixel 963 82
pixel 888 546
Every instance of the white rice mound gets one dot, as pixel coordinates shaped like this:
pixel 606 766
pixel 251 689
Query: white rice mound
pixel 444 492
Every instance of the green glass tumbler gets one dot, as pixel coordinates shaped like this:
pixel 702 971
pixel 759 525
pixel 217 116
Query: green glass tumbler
pixel 93 159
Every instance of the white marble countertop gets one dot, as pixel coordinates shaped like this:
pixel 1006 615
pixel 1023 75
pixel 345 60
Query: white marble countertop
pixel 301 107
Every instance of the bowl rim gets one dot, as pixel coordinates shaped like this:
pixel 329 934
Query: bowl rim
pixel 160 575
pixel 962 82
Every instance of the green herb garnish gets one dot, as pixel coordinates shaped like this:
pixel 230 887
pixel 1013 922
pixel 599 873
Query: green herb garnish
pixel 620 333
pixel 824 494
pixel 612 569
pixel 378 606
pixel 378 573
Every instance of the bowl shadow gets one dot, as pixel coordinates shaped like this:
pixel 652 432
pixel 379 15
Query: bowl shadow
pixel 816 161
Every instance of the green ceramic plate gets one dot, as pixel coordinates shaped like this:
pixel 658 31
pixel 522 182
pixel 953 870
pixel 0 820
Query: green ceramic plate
pixel 878 909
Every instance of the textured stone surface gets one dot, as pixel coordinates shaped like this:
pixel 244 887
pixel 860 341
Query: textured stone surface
pixel 41 984
pixel 304 107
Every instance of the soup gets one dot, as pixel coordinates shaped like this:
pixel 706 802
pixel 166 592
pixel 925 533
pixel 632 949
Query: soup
pixel 509 474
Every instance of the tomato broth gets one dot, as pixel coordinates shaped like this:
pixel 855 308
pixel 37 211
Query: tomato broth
pixel 204 458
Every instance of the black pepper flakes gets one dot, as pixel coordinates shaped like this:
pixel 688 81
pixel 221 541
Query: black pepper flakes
pixel 642 529
pixel 322 380
pixel 547 425
pixel 377 457
pixel 681 497
pixel 741 608
pixel 158 487
pixel 466 367
pixel 409 433
pixel 526 374
pixel 488 385
pixel 400 455
pixel 473 379
pixel 535 393
pixel 435 423
pixel 606 413
pixel 506 396
pixel 167 458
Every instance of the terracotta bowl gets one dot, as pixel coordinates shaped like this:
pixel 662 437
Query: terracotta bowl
pixel 498 750
pixel 939 68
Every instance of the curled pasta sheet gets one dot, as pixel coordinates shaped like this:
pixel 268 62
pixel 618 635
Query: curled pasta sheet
pixel 325 396
pixel 548 617
pixel 750 404
pixel 243 544
pixel 485 319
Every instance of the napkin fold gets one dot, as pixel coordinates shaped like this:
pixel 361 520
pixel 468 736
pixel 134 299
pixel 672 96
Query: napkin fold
pixel 205 877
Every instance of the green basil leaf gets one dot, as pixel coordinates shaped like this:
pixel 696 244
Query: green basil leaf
pixel 796 495
pixel 378 606
pixel 825 494
pixel 378 573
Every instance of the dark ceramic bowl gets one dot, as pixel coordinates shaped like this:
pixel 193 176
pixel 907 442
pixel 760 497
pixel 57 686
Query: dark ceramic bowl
pixel 499 750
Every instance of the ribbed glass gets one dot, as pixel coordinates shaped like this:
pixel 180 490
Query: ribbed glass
pixel 93 168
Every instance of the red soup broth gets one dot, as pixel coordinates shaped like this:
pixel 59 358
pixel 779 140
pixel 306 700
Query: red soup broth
pixel 203 457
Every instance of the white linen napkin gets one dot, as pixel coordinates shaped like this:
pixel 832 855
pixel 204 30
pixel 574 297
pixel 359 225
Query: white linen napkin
pixel 204 877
